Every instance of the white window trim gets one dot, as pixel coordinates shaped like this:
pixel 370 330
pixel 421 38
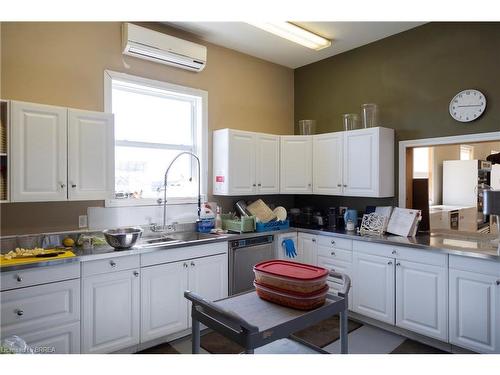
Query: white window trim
pixel 109 75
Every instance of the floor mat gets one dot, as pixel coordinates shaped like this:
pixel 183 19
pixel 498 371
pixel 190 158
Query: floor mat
pixel 319 335
pixel 414 347
pixel 164 348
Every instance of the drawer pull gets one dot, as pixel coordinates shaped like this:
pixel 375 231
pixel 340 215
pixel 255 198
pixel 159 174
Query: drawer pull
pixel 185 265
pixel 193 264
pixel 394 252
pixel 333 242
pixel 112 263
pixel 136 273
pixel 19 312
pixel 19 278
pixel 333 253
pixel 398 264
pixel 389 263
pixel 498 282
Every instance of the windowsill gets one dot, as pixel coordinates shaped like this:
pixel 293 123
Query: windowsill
pixel 131 202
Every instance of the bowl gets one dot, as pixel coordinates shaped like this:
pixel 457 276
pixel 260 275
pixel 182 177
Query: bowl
pixel 122 238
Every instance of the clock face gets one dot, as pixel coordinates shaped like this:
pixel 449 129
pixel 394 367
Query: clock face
pixel 467 105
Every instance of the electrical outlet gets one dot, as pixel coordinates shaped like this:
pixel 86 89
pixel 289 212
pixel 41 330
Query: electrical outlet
pixel 82 221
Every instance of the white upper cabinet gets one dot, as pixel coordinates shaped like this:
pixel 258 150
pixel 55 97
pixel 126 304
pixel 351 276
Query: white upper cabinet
pixel 268 163
pixel 368 165
pixel 90 155
pixel 60 153
pixel 296 164
pixel 327 163
pixel 245 163
pixel 38 147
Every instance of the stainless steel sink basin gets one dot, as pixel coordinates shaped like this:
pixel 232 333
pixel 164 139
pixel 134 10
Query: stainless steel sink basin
pixel 174 238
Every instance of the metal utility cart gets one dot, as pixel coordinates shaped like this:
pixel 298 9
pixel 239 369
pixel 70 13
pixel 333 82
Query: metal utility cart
pixel 253 322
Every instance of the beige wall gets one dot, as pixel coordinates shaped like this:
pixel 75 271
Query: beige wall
pixel 63 64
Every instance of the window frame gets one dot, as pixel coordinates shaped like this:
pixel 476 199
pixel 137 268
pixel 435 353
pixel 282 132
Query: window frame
pixel 200 132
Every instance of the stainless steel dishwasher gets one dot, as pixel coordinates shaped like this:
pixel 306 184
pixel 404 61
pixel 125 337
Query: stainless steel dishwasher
pixel 243 255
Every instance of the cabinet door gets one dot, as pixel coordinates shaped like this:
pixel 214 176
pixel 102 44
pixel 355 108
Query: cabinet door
pixel 474 311
pixel 327 163
pixel 90 155
pixel 62 339
pixel 268 163
pixel 163 306
pixel 374 295
pixel 296 165
pixel 421 299
pixel 279 248
pixel 306 249
pixel 361 163
pixel 38 146
pixel 242 163
pixel 110 315
pixel 208 276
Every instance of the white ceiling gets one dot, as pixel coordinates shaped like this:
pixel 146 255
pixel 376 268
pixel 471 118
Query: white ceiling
pixel 248 39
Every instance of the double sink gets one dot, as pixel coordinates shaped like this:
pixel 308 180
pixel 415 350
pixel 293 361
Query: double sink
pixel 179 237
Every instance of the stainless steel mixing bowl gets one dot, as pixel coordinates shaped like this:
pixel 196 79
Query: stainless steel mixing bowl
pixel 122 238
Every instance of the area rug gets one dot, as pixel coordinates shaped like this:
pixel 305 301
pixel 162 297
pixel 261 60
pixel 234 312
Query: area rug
pixel 320 335
pixel 164 348
pixel 414 347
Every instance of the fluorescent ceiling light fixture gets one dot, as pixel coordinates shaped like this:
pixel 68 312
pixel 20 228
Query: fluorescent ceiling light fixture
pixel 294 33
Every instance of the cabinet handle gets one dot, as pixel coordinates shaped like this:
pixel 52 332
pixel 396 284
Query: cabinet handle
pixel 73 186
pixel 333 253
pixel 394 252
pixel 313 240
pixel 389 263
pixel 259 184
pixel 193 264
pixel 332 242
pixel 185 265
pixel 498 282
pixel 136 273
pixel 339 185
pixel 345 185
pixel 398 264
pixel 62 185
pixel 19 312
pixel 19 278
pixel 112 263
pixel 254 185
pixel 308 184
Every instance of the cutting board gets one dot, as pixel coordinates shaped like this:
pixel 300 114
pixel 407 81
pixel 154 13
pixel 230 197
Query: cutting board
pixel 28 260
pixel 261 211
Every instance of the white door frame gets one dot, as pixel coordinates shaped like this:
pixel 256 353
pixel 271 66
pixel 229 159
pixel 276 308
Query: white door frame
pixel 403 145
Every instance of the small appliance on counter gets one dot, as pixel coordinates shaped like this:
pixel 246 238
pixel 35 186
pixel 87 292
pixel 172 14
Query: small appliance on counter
pixel 351 219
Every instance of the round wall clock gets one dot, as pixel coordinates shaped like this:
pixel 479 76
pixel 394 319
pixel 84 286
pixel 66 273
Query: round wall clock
pixel 467 105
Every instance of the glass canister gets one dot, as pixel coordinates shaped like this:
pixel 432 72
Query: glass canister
pixel 369 115
pixel 307 127
pixel 350 121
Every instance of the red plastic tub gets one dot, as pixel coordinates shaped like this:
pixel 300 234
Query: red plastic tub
pixel 300 301
pixel 291 277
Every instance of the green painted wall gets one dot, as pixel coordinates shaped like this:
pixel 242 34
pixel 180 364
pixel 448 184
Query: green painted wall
pixel 412 76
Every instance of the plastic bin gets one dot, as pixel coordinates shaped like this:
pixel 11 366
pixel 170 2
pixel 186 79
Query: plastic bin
pixel 298 301
pixel 272 225
pixel 290 276
pixel 246 224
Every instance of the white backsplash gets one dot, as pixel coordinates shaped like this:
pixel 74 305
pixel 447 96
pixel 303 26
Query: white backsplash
pixel 112 217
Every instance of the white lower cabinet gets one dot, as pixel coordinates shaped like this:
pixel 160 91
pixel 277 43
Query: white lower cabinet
pixel 475 311
pixel 421 298
pixel 163 306
pixel 164 310
pixel 374 279
pixel 110 314
pixel 306 249
pixel 63 339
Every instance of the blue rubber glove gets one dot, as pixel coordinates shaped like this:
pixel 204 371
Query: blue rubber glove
pixel 289 246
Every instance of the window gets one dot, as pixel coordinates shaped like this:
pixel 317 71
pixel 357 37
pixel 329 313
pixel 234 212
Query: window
pixel 421 162
pixel 154 122
pixel 466 152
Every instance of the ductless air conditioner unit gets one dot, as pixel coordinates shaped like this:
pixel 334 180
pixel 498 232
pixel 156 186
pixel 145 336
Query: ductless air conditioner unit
pixel 162 48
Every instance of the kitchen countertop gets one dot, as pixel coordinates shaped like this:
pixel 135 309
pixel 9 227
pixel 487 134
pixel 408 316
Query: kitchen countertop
pixel 457 244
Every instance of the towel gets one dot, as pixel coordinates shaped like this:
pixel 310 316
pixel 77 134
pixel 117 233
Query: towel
pixel 289 247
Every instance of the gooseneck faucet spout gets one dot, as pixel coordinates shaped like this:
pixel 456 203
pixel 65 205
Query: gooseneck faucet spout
pixel 165 186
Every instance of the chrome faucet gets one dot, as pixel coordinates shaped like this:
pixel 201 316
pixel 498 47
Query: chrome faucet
pixel 164 226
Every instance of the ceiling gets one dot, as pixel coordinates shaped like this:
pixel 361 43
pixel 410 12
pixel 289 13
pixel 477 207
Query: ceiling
pixel 249 39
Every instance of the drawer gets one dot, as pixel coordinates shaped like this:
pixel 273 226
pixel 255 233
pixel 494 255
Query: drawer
pixel 63 339
pixel 40 275
pixel 335 265
pixel 484 266
pixel 402 253
pixel 119 263
pixel 39 307
pixel 334 253
pixel 337 242
pixel 183 253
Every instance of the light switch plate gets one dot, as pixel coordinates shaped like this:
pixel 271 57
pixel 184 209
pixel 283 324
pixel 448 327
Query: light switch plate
pixel 82 221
